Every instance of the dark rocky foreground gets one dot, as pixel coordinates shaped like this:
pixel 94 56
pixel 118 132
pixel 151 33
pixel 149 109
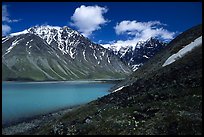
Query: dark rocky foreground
pixel 29 124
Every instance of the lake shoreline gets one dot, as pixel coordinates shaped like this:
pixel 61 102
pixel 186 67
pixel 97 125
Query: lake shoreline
pixel 56 81
pixel 27 119
pixel 27 125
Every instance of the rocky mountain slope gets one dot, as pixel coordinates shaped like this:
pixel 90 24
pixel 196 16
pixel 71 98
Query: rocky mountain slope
pixel 157 99
pixel 135 56
pixel 57 53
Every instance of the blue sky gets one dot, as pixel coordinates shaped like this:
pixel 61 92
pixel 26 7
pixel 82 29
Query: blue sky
pixel 105 22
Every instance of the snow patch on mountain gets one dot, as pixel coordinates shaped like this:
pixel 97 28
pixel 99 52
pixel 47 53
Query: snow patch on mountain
pixel 197 42
pixel 19 33
pixel 84 54
pixel 72 53
pixel 14 43
pixel 118 89
pixel 29 42
pixel 5 39
pixel 94 54
pixel 136 67
pixel 108 59
pixel 145 56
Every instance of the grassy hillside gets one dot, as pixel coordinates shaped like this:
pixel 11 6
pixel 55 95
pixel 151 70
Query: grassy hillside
pixel 164 100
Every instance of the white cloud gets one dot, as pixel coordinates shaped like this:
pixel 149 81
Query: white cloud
pixel 6 20
pixel 139 31
pixel 5 29
pixel 5 15
pixel 134 26
pixel 88 19
pixel 143 30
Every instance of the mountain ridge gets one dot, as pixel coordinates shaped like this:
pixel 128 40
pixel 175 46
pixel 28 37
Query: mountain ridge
pixel 64 55
pixel 136 55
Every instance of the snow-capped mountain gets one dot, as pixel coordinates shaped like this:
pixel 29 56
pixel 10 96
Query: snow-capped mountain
pixel 62 37
pixel 136 55
pixel 57 53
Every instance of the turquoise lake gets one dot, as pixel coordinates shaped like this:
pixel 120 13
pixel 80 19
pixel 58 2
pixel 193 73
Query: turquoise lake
pixel 27 99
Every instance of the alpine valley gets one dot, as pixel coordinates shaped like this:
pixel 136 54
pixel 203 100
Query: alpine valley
pixel 101 68
pixel 162 97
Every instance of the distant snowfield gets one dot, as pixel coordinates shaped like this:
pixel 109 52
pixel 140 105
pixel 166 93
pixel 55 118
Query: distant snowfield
pixel 197 42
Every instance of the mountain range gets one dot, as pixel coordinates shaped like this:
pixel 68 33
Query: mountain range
pixel 61 53
pixel 57 53
pixel 136 55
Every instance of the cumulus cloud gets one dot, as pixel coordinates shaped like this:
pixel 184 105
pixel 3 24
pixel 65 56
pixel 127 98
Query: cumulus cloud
pixel 88 19
pixel 6 20
pixel 140 31
pixel 134 26
pixel 5 15
pixel 5 29
pixel 143 30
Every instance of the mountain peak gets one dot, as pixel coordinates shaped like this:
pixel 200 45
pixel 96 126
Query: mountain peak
pixel 45 29
pixel 153 40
